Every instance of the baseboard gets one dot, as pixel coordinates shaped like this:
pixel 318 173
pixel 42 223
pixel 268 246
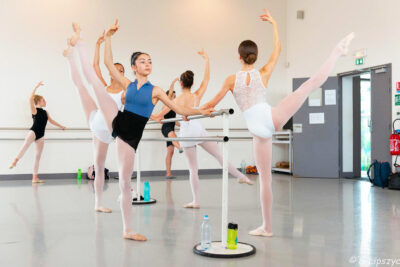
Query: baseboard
pixel 28 176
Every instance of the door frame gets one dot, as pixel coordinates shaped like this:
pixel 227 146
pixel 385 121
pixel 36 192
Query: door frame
pixel 340 78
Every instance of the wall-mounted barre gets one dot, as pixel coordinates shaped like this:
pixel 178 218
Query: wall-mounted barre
pixel 220 112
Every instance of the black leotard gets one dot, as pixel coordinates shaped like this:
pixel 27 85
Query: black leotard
pixel 39 123
pixel 169 126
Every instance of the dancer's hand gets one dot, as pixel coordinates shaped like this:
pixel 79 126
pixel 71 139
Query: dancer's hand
pixel 157 118
pixel 63 128
pixel 101 38
pixel 39 84
pixel 267 17
pixel 203 54
pixel 207 111
pixel 185 118
pixel 113 29
pixel 175 80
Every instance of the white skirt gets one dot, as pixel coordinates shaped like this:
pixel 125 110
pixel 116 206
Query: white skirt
pixel 259 120
pixel 99 128
pixel 191 128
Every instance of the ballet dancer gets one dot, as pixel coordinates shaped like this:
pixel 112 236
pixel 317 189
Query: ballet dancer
pixel 194 128
pixel 36 132
pixel 248 87
pixel 168 130
pixel 101 135
pixel 127 125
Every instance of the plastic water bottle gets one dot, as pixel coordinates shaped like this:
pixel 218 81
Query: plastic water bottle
pixel 146 191
pixel 206 234
pixel 243 166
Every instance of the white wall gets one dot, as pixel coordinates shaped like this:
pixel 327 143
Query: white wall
pixel 310 41
pixel 34 35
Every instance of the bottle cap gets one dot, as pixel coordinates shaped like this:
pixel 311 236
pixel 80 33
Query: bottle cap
pixel 232 226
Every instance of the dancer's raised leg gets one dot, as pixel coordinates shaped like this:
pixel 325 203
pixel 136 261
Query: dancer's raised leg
pixel 191 158
pixel 100 153
pixel 262 152
pixel 292 103
pixel 39 149
pixel 175 143
pixel 88 104
pixel 30 137
pixel 213 149
pixel 126 157
pixel 107 105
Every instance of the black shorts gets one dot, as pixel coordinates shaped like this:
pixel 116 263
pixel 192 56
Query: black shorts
pixel 166 129
pixel 129 127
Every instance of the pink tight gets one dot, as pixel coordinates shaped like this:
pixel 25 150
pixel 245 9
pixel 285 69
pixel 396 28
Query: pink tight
pixel 191 158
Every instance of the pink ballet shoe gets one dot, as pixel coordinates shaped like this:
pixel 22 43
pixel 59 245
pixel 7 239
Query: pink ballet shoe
pixel 260 232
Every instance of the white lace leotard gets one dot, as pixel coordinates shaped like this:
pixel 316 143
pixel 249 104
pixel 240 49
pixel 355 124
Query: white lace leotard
pixel 252 101
pixel 97 123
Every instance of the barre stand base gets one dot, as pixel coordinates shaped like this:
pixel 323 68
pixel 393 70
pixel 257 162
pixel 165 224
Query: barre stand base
pixel 218 251
pixel 142 202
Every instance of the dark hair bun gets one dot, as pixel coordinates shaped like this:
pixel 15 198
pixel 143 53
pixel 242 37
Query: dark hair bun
pixel 248 51
pixel 187 79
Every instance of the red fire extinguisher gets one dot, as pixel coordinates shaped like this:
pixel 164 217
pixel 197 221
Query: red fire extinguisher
pixel 395 143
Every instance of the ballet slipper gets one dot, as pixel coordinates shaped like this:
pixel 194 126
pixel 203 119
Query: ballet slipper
pixel 260 232
pixel 37 181
pixel 13 164
pixel 245 181
pixel 134 236
pixel 103 209
pixel 191 206
pixel 345 43
pixel 170 177
pixel 77 32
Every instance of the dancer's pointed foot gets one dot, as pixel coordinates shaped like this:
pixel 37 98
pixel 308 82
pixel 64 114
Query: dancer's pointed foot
pixel 67 51
pixel 134 236
pixel 245 181
pixel 344 44
pixel 13 164
pixel 77 34
pixel 103 209
pixel 260 231
pixel 192 205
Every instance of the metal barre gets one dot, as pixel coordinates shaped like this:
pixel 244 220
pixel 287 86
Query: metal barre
pixel 220 112
pixel 210 139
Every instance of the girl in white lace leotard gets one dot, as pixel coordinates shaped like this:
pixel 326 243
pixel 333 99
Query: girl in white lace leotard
pixel 248 87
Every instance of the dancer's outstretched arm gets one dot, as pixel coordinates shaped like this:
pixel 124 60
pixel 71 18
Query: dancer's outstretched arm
pixel 159 94
pixel 54 122
pixel 108 58
pixel 96 60
pixel 31 101
pixel 160 115
pixel 266 71
pixel 228 85
pixel 203 86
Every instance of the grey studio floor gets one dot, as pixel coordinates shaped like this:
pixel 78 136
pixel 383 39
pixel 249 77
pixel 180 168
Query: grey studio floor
pixel 317 222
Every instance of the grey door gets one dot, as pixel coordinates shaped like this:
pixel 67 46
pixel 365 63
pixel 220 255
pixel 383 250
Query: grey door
pixel 316 147
pixel 381 112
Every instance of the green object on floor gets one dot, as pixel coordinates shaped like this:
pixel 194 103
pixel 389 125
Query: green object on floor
pixel 79 176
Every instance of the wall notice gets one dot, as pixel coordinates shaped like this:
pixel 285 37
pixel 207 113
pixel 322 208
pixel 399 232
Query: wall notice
pixel 317 118
pixel 330 97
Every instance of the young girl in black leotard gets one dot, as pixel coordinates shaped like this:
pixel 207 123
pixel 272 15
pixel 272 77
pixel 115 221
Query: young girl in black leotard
pixel 36 133
pixel 168 130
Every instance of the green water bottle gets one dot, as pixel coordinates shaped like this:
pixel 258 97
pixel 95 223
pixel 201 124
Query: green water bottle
pixel 232 235
pixel 79 177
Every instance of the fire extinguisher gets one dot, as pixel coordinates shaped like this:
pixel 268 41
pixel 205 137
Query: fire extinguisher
pixel 395 143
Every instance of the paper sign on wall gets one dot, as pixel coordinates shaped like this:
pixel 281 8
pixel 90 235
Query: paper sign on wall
pixel 330 97
pixel 315 98
pixel 297 127
pixel 317 118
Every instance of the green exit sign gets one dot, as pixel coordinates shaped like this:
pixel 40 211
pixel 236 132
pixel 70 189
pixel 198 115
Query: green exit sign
pixel 360 61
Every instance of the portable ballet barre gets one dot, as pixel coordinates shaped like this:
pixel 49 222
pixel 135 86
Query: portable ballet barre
pixel 220 112
pixel 219 248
